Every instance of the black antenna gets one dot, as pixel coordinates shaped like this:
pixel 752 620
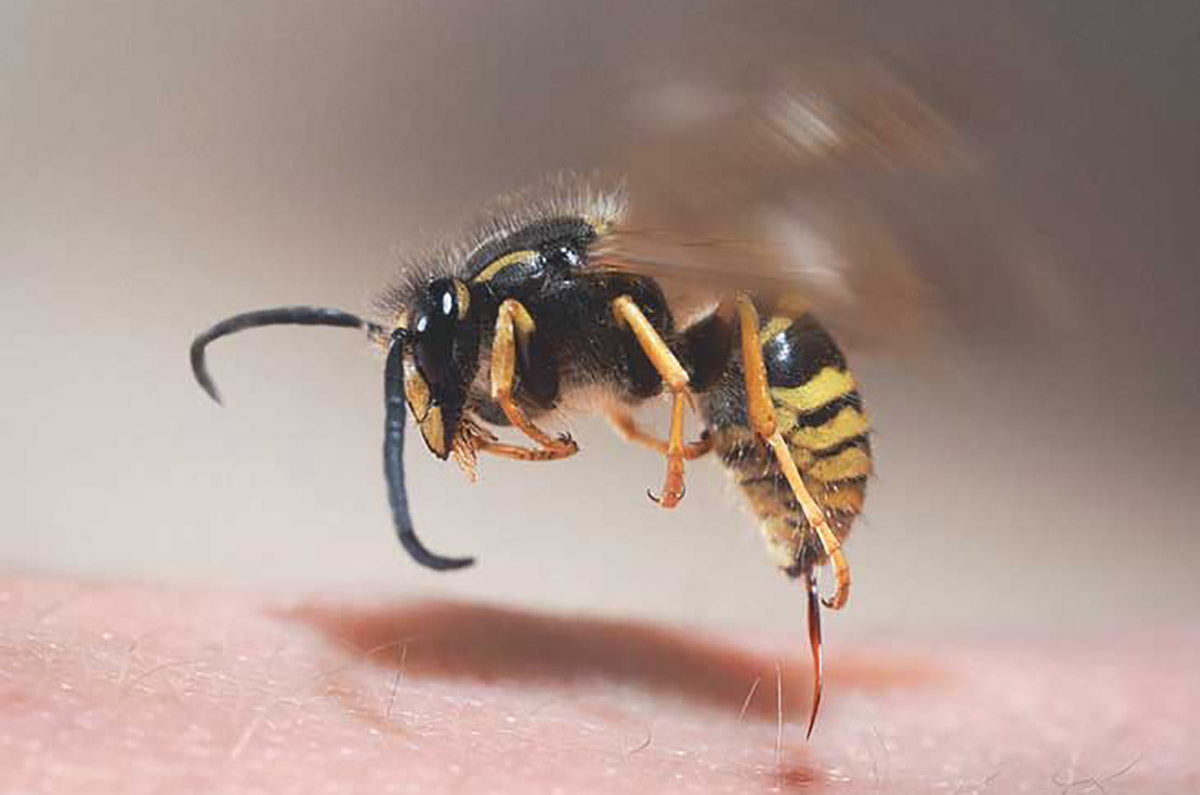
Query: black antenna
pixel 282 316
pixel 393 442
pixel 393 461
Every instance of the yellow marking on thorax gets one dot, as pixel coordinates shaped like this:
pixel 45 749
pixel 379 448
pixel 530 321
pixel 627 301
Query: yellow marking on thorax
pixel 848 423
pixel 774 326
pixel 500 263
pixel 464 299
pixel 824 387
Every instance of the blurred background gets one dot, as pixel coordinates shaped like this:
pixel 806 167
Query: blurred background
pixel 164 165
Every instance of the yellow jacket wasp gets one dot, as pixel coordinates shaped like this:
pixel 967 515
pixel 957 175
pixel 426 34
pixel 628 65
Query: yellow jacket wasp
pixel 564 295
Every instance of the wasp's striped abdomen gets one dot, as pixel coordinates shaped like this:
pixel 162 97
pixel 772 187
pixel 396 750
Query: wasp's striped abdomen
pixel 819 412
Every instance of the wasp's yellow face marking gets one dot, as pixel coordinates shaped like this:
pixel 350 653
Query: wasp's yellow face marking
pixel 416 390
pixel 429 417
pixel 500 263
pixel 434 431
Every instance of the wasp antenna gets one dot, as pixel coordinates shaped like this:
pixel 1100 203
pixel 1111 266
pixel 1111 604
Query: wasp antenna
pixel 814 642
pixel 393 462
pixel 282 316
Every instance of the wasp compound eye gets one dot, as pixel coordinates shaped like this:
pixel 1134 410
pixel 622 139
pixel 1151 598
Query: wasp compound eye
pixel 434 328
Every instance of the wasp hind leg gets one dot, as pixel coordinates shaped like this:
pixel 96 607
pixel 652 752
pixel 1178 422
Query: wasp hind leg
pixel 761 413
pixel 676 378
pixel 514 331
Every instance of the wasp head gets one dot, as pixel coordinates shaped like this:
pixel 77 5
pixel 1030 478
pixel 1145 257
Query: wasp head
pixel 443 356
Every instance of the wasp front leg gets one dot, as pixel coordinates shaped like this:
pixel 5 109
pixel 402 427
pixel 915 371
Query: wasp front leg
pixel 515 328
pixel 675 377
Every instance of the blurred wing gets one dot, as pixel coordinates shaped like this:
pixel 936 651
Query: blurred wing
pixel 800 183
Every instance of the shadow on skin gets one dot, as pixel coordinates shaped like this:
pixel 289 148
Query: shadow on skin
pixel 451 640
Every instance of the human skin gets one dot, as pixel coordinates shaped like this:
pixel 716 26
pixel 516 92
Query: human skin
pixel 137 689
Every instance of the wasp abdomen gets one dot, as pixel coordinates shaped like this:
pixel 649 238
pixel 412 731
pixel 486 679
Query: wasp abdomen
pixel 819 412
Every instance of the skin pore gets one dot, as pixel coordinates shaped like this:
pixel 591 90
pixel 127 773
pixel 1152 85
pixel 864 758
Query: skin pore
pixel 138 689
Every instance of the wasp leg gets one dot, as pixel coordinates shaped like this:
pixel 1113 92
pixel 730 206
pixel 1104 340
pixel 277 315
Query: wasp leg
pixel 629 430
pixel 515 326
pixel 479 439
pixel 676 379
pixel 761 413
pixel 518 453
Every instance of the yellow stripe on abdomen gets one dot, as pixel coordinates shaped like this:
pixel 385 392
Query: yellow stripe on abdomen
pixel 850 464
pixel 825 387
pixel 846 424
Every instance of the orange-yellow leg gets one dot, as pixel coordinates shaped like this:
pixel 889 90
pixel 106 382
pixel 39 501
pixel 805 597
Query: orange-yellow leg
pixel 629 430
pixel 761 413
pixel 474 438
pixel 519 453
pixel 676 379
pixel 514 326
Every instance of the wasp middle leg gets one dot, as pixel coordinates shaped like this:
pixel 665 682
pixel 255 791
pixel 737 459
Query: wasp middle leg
pixel 676 379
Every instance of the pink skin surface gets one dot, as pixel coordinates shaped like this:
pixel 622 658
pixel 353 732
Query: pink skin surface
pixel 120 688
